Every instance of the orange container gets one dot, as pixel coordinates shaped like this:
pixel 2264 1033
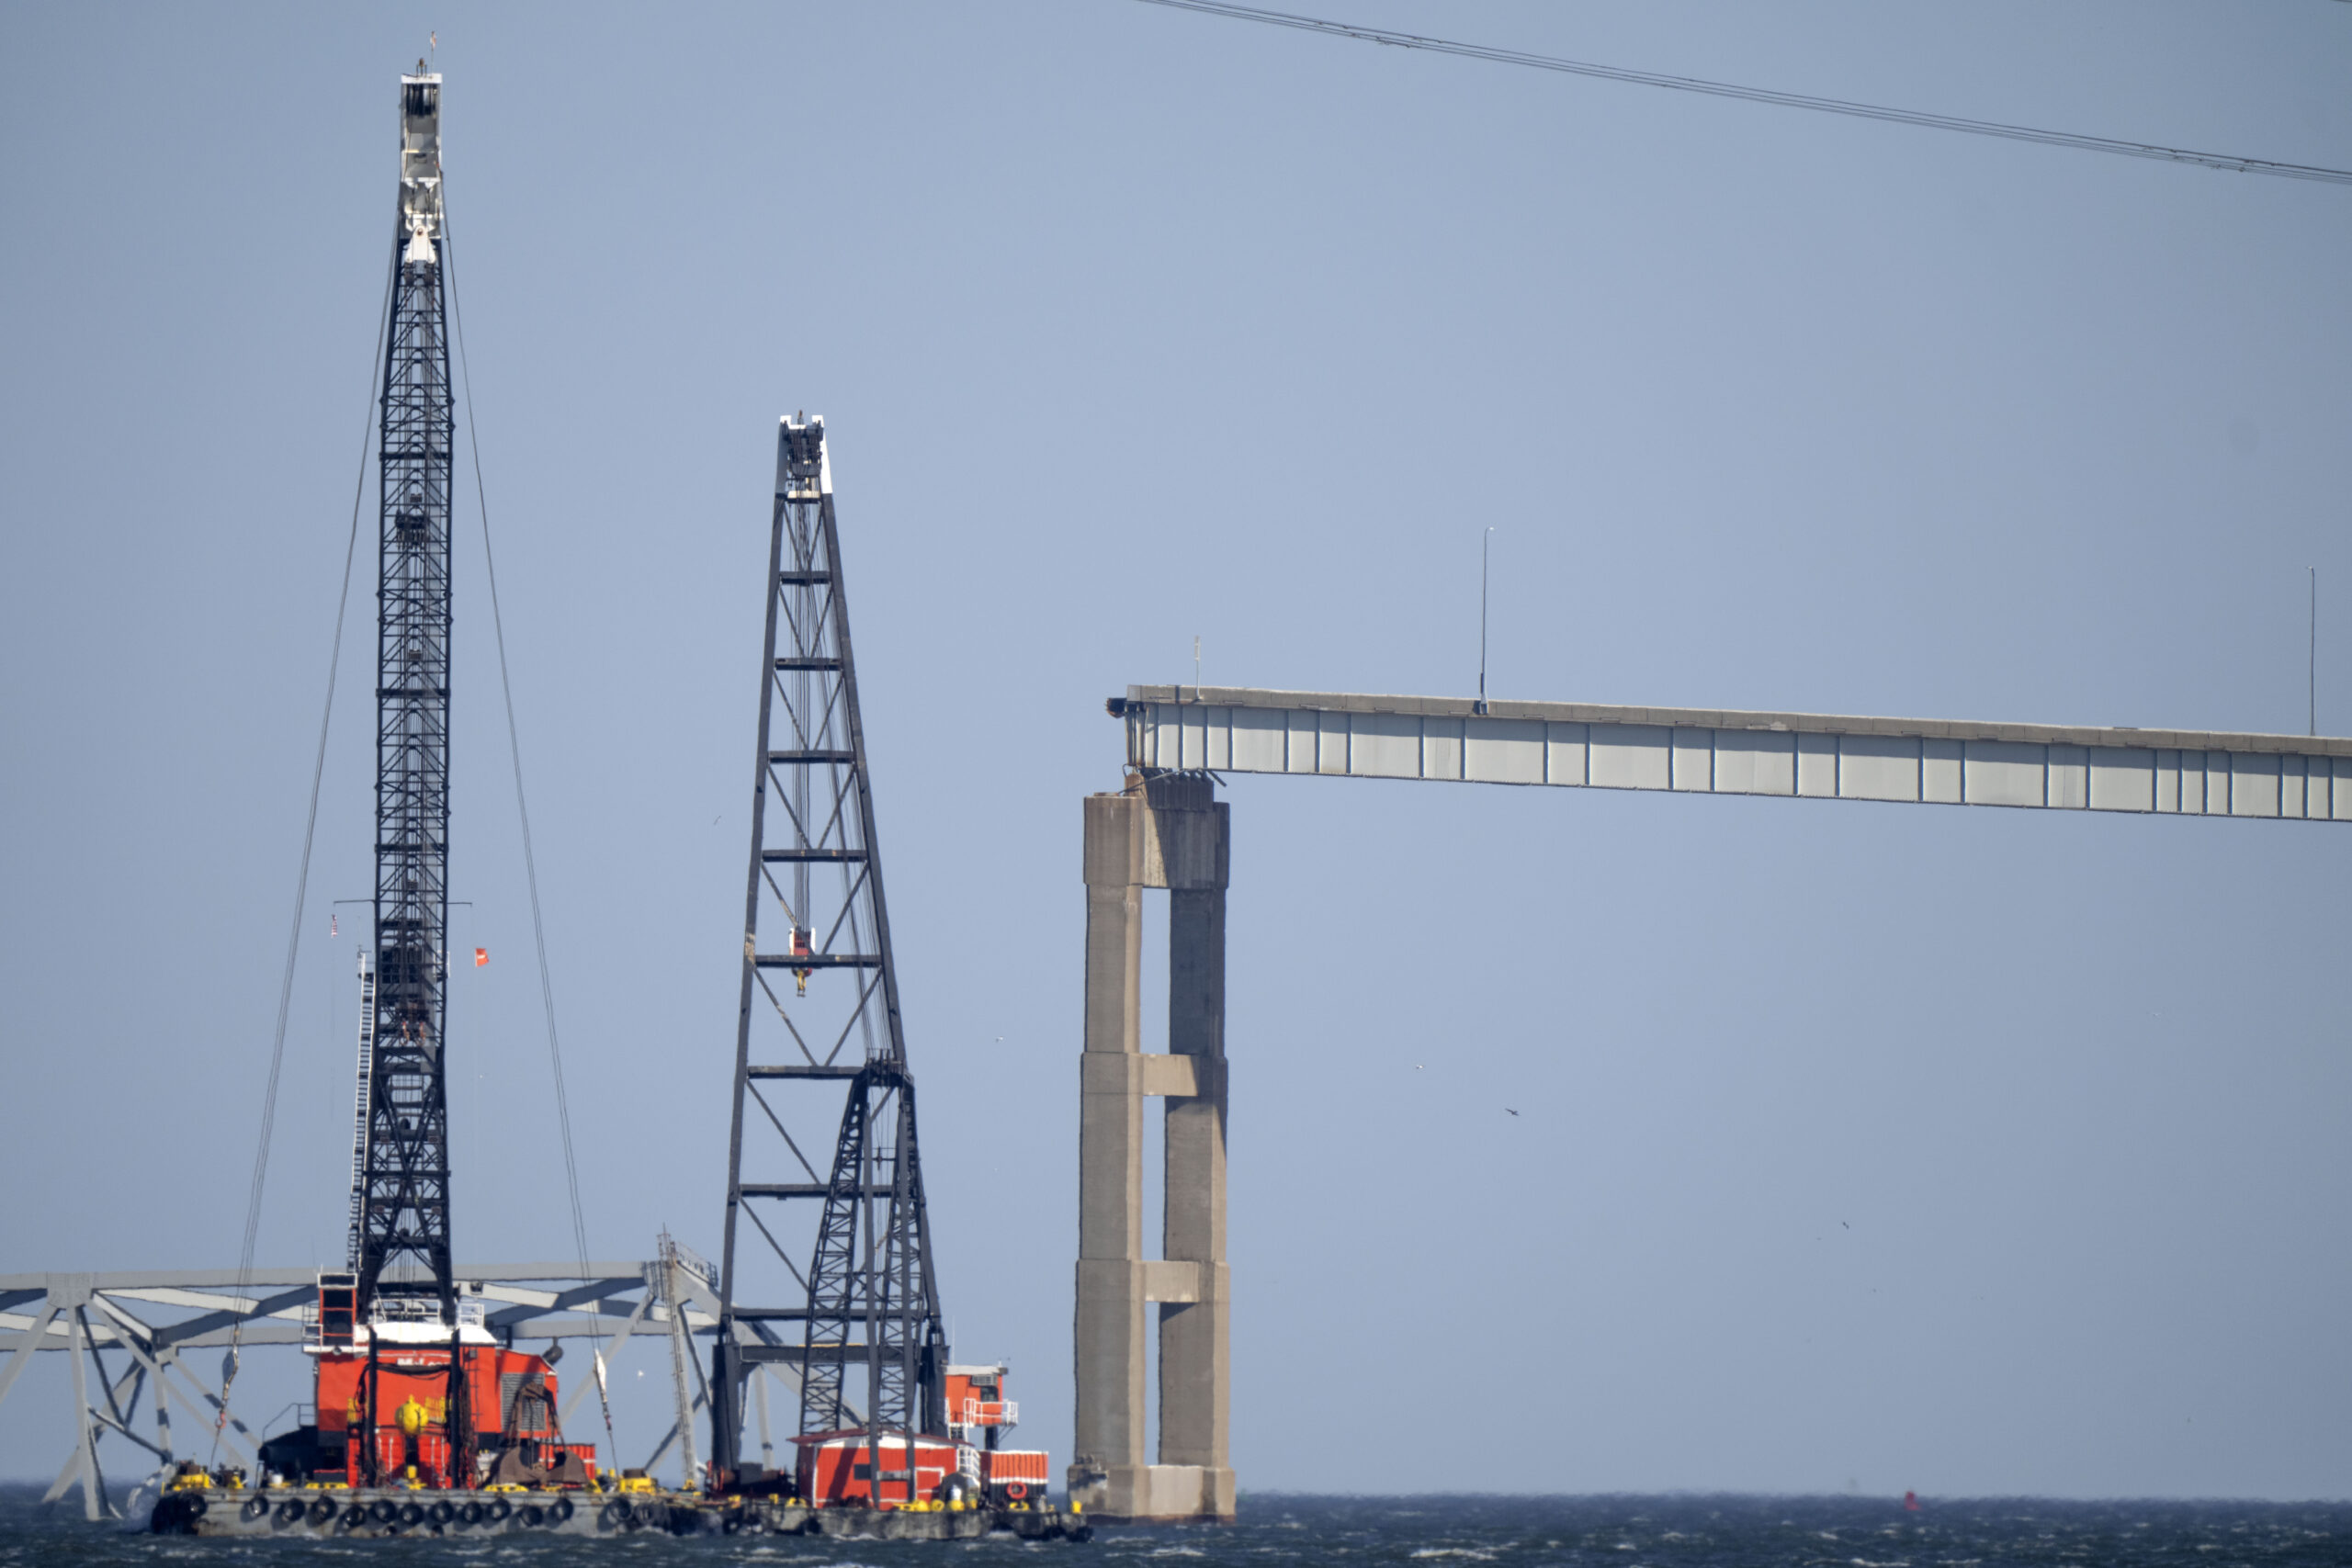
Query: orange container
pixel 1015 1475
pixel 833 1469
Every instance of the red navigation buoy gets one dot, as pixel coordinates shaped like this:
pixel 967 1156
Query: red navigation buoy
pixel 1910 1502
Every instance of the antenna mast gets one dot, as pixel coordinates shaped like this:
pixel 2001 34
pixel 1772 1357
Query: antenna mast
pixel 1486 542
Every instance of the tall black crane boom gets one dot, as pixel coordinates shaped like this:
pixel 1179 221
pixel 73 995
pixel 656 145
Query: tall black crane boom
pixel 400 1230
pixel 857 1243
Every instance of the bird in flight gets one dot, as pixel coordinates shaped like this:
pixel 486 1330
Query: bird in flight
pixel 1509 1109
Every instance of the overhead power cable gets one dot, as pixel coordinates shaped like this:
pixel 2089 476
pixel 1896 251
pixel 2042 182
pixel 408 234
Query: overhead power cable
pixel 530 862
pixel 2150 150
pixel 302 877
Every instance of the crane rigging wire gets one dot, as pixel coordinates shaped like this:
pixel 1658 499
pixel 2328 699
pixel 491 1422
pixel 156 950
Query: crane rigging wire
pixel 2223 161
pixel 530 864
pixel 303 879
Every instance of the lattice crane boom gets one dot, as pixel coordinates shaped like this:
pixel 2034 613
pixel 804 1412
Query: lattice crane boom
pixel 401 1245
pixel 869 1348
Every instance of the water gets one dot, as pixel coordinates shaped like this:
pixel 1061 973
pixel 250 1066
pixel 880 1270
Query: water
pixel 1276 1531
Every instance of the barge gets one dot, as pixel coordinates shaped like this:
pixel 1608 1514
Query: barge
pixel 221 1505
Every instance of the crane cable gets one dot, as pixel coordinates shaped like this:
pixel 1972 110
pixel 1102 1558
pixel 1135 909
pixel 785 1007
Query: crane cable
pixel 2221 161
pixel 303 879
pixel 530 864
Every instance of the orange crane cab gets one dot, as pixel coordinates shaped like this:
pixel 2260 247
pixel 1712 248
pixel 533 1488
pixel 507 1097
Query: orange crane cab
pixel 383 1397
pixel 977 1408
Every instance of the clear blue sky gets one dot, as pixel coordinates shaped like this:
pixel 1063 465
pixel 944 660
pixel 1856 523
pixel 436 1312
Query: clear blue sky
pixel 1871 1145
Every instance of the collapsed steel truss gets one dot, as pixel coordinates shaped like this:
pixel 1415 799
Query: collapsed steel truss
pixel 149 1320
pixel 866 1300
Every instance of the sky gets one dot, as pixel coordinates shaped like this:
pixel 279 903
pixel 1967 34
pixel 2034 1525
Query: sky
pixel 1860 1147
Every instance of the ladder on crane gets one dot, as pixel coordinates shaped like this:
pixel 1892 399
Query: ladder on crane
pixel 359 1110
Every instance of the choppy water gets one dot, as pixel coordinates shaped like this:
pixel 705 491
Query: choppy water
pixel 1411 1532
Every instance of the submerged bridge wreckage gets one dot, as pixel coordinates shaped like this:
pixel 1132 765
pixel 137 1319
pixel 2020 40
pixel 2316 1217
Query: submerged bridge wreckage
pixel 152 1321
pixel 1165 829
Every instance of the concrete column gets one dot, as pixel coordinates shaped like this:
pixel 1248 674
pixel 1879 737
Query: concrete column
pixel 1108 1334
pixel 1195 1362
pixel 1168 833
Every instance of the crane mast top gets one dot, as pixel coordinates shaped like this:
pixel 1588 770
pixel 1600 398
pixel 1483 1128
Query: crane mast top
pixel 420 165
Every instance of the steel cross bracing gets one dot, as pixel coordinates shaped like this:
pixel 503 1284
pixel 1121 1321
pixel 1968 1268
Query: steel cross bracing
pixel 402 1243
pixel 149 1323
pixel 843 1252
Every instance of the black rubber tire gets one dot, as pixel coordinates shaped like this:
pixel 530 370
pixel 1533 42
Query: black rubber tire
pixel 196 1504
pixel 383 1509
pixel 322 1511
pixel 353 1517
pixel 412 1516
pixel 255 1507
pixel 442 1512
pixel 613 1515
pixel 290 1511
pixel 533 1517
pixel 471 1513
pixel 499 1509
pixel 560 1511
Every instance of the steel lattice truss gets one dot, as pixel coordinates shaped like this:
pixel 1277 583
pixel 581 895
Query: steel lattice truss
pixel 401 1242
pixel 129 1336
pixel 853 1293
pixel 849 1246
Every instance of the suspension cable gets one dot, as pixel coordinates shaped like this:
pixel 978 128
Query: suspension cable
pixel 530 864
pixel 2229 163
pixel 302 878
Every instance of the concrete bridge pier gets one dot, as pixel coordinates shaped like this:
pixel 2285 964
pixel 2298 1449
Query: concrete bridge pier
pixel 1164 831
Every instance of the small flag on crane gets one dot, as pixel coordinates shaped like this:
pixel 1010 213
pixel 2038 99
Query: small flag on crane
pixel 482 956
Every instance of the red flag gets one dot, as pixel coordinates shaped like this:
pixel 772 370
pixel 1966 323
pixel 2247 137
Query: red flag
pixel 482 956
